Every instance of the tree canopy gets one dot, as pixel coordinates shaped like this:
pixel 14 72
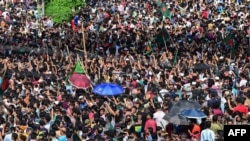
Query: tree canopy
pixel 62 10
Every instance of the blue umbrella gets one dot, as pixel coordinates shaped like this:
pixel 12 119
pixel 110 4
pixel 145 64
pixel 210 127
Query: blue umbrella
pixel 177 119
pixel 193 113
pixel 181 105
pixel 108 89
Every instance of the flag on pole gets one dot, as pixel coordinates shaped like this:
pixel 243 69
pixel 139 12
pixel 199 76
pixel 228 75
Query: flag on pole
pixel 229 40
pixel 162 37
pixel 148 49
pixel 78 68
pixel 165 11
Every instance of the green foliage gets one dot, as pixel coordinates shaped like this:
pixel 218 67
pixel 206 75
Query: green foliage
pixel 61 10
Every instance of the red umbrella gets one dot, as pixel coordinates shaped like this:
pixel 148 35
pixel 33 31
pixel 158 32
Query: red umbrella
pixel 80 81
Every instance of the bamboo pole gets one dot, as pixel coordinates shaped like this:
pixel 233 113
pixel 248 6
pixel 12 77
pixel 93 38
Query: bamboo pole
pixel 84 45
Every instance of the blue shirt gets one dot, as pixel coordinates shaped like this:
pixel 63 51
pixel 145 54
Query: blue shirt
pixel 179 93
pixel 62 138
pixel 220 9
pixel 69 88
pixel 83 105
pixel 150 138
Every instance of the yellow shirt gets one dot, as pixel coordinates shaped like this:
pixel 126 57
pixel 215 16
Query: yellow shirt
pixel 107 78
pixel 210 26
pixel 216 127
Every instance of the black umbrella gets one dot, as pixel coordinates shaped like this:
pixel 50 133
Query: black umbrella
pixel 181 105
pixel 176 120
pixel 201 67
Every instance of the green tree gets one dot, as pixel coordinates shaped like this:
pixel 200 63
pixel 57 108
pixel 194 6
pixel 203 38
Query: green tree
pixel 62 10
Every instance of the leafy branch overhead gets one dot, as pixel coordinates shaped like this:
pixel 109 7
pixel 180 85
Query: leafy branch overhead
pixel 61 10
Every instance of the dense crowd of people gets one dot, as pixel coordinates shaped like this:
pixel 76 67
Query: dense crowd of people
pixel 203 58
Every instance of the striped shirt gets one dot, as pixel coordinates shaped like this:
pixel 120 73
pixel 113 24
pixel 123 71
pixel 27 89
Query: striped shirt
pixel 207 135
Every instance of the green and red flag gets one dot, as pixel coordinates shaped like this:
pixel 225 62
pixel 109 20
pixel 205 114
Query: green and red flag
pixel 162 37
pixel 165 11
pixel 229 40
pixel 148 49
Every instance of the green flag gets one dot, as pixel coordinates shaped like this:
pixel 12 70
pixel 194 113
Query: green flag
pixel 162 37
pixel 158 2
pixel 78 68
pixel 229 40
pixel 76 137
pixel 148 49
pixel 165 11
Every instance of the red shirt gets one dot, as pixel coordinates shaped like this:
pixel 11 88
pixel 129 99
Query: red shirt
pixel 241 108
pixel 196 131
pixel 150 123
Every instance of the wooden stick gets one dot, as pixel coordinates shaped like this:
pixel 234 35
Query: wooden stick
pixel 47 53
pixel 99 73
pixel 78 58
pixel 67 49
pixel 89 53
pixel 79 50
pixel 84 45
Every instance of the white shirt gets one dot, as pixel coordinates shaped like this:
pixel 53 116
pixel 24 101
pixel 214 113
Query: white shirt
pixel 49 23
pixel 207 135
pixel 93 10
pixel 8 137
pixel 121 8
pixel 188 24
pixel 4 14
pixel 243 82
pixel 47 126
pixel 158 116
